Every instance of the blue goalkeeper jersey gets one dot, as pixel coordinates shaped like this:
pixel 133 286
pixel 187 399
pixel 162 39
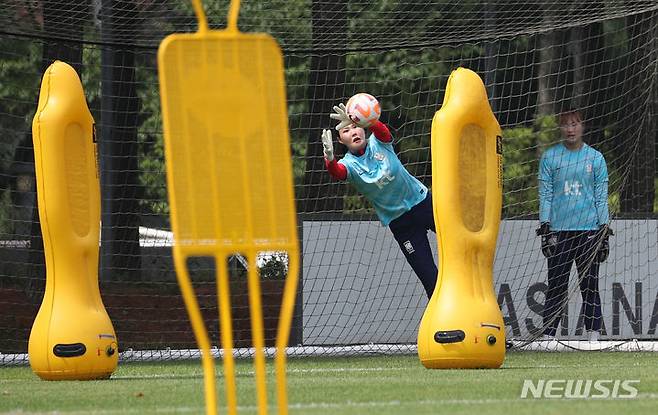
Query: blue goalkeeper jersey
pixel 573 188
pixel 379 175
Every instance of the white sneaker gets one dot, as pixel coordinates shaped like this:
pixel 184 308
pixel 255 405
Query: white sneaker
pixel 593 336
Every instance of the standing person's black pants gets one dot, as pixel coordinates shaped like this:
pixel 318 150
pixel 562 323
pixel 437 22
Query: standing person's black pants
pixel 581 247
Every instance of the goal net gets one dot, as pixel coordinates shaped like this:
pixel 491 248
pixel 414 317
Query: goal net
pixel 357 293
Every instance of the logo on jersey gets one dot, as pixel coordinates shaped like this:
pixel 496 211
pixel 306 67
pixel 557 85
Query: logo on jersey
pixel 385 179
pixel 572 188
pixel 588 167
pixel 379 156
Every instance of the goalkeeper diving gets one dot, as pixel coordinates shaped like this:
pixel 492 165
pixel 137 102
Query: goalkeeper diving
pixel 401 201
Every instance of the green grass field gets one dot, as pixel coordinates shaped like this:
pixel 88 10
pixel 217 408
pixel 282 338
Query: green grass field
pixel 364 385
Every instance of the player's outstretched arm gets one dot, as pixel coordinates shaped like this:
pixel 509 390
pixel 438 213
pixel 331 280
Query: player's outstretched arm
pixel 327 145
pixel 381 132
pixel 340 115
pixel 335 169
pixel 378 128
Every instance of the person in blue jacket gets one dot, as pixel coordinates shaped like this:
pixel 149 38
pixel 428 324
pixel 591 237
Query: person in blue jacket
pixel 573 213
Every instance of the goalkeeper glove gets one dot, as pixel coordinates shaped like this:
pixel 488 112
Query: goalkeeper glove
pixel 340 115
pixel 327 145
pixel 548 240
pixel 604 248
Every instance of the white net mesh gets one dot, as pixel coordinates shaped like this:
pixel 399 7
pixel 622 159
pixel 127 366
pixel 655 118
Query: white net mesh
pixel 536 58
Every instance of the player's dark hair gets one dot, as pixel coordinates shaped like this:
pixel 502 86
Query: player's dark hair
pixel 571 112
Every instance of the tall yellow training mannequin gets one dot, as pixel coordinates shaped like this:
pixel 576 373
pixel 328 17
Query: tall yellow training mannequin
pixel 229 179
pixel 72 336
pixel 462 326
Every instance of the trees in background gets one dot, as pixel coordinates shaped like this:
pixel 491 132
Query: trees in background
pixel 326 80
pixel 402 52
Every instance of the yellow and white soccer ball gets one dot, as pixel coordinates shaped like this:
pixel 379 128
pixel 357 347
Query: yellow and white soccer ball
pixel 363 109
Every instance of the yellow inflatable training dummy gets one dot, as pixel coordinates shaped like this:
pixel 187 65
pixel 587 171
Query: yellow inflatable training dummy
pixel 462 326
pixel 72 336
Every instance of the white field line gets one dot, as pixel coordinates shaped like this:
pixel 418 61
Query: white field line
pixel 334 405
pixel 297 371
pixel 270 371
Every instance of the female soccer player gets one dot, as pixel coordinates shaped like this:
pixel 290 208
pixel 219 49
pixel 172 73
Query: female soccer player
pixel 400 200
pixel 573 212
